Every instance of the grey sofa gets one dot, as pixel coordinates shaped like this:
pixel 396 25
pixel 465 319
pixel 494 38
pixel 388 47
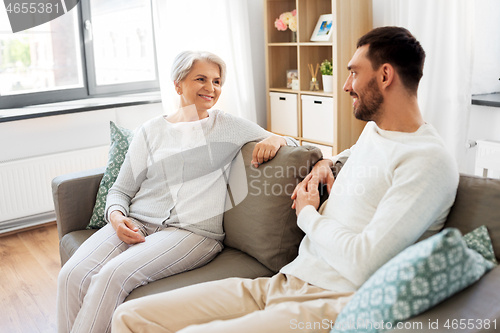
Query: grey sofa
pixel 261 229
pixel 262 236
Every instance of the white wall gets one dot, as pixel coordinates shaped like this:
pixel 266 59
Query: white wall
pixel 48 135
pixel 484 123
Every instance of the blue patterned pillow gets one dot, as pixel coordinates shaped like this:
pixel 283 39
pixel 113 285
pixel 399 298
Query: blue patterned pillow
pixel 417 279
pixel 120 141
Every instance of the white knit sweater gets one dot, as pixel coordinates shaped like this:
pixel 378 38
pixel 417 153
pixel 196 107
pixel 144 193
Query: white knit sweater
pixel 177 176
pixel 393 188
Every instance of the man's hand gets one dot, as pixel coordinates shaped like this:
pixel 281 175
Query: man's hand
pixel 321 174
pixel 306 194
pixel 125 229
pixel 267 149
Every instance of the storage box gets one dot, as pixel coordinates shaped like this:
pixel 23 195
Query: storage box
pixel 284 113
pixel 317 118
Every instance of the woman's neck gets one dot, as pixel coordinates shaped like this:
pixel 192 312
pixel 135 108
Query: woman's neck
pixel 187 114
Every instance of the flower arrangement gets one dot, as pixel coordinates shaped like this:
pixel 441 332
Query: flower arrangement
pixel 287 20
pixel 326 67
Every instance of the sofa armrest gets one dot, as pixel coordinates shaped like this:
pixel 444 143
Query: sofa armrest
pixel 477 302
pixel 74 196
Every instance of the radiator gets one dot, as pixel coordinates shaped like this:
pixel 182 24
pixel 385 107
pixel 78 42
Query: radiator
pixel 25 184
pixel 488 159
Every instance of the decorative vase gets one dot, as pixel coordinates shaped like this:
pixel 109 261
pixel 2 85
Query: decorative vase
pixel 294 36
pixel 313 85
pixel 327 83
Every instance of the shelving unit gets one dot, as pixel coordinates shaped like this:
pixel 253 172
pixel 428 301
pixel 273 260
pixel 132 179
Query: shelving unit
pixel 351 19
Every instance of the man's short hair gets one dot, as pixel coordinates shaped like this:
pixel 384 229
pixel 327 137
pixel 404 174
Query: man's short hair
pixel 398 47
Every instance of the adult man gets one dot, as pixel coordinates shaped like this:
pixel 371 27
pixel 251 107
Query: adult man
pixel 398 182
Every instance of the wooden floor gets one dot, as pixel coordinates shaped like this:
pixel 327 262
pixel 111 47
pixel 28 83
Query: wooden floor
pixel 29 265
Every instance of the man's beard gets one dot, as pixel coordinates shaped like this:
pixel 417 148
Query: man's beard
pixel 368 106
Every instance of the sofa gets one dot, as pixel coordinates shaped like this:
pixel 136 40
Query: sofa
pixel 262 235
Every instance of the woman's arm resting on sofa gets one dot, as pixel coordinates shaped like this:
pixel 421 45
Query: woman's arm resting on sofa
pixel 267 149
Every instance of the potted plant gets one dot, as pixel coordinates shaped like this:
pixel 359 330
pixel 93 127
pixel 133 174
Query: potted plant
pixel 327 75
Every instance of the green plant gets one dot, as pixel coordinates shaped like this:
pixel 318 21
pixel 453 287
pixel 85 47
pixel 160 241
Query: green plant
pixel 16 50
pixel 326 67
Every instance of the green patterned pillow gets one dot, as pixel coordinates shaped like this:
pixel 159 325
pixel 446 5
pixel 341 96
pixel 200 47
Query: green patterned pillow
pixel 415 280
pixel 120 140
pixel 479 240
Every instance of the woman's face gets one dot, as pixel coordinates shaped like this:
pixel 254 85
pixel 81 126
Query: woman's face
pixel 201 87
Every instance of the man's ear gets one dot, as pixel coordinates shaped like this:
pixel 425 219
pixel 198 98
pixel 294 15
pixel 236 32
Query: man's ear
pixel 387 73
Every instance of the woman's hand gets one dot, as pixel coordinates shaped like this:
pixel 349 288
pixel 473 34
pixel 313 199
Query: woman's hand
pixel 267 149
pixel 320 174
pixel 125 229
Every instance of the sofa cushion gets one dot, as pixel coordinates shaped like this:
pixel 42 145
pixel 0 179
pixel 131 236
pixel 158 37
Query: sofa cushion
pixel 120 141
pixel 263 224
pixel 415 280
pixel 229 263
pixel 476 204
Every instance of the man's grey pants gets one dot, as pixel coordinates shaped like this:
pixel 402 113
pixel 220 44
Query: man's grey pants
pixel 104 270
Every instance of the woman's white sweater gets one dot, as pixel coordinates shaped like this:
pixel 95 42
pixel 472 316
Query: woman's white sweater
pixel 176 174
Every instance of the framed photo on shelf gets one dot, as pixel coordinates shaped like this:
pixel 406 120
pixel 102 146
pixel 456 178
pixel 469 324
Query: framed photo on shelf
pixel 323 30
pixel 291 74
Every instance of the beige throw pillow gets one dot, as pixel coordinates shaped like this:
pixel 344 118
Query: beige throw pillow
pixel 263 224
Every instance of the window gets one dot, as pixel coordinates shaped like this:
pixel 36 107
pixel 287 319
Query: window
pixel 101 47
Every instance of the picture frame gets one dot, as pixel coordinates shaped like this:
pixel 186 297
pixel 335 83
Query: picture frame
pixel 291 74
pixel 323 30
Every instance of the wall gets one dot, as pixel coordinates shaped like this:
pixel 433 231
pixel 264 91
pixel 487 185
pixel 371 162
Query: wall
pixel 484 123
pixel 48 135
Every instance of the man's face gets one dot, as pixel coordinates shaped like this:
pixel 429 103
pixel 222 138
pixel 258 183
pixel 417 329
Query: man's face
pixel 362 86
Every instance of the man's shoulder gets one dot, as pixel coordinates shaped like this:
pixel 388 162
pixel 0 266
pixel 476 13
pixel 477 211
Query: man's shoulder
pixel 424 152
pixel 432 159
pixel 429 144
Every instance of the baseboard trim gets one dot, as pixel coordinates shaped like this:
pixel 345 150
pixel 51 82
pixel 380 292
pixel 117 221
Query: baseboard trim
pixel 27 223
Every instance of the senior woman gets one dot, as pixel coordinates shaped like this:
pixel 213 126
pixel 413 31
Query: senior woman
pixel 165 208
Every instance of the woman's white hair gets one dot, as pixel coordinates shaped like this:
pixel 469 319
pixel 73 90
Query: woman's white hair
pixel 184 61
